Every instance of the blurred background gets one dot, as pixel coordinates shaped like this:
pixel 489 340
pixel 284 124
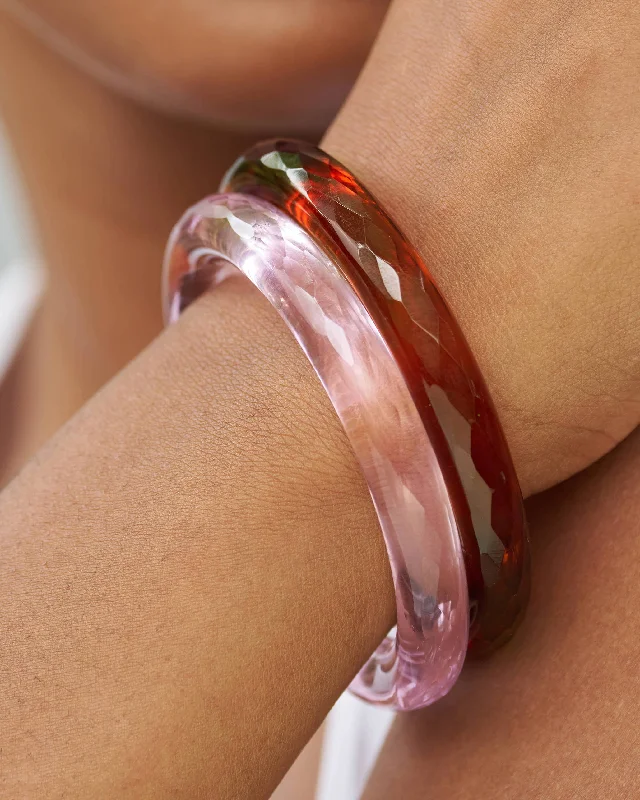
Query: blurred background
pixel 15 238
pixel 20 277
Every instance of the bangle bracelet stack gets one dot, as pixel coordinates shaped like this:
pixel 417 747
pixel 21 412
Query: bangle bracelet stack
pixel 402 379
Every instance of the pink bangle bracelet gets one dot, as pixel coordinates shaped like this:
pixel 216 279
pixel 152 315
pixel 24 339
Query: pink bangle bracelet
pixel 400 375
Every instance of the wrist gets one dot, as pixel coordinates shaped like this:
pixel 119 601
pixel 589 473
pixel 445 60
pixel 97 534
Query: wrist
pixel 204 537
pixel 488 195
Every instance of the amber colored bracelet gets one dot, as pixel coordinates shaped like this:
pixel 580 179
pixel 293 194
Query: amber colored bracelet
pixel 365 309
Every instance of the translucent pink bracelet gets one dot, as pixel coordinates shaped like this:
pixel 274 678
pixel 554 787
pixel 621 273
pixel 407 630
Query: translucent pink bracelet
pixel 400 375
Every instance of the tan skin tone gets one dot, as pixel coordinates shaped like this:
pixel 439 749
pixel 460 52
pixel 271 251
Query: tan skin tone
pixel 554 715
pixel 246 64
pixel 119 522
pixel 104 194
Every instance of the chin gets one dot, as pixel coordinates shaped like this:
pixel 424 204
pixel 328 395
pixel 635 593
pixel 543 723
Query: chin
pixel 267 65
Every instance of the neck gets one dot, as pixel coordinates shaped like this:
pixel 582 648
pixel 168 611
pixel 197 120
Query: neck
pixel 106 180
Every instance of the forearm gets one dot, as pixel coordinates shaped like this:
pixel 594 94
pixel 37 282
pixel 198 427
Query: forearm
pixel 502 136
pixel 553 715
pixel 191 572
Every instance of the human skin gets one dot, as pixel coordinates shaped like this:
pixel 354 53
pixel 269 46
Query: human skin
pixel 553 715
pixel 105 188
pixel 491 131
pixel 180 632
pixel 492 281
pixel 504 136
pixel 252 64
pixel 154 615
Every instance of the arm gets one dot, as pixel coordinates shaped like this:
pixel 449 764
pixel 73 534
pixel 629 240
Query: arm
pixel 503 136
pixel 182 570
pixel 154 615
pixel 554 715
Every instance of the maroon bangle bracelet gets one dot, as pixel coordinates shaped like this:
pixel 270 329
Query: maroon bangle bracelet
pixel 440 370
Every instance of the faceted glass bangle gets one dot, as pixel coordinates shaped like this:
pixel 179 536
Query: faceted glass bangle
pixel 411 399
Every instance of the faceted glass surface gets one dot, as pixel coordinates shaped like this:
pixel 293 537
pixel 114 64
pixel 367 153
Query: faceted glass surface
pixel 442 376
